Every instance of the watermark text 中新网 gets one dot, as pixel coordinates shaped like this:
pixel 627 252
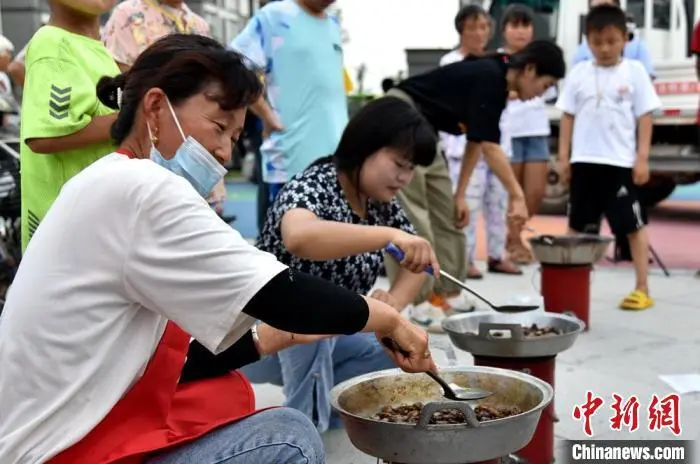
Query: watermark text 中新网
pixel 599 451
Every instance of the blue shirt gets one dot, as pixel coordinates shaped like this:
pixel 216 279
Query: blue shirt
pixel 302 57
pixel 635 49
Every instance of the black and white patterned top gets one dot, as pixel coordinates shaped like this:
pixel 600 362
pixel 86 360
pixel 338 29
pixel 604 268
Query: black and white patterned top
pixel 318 190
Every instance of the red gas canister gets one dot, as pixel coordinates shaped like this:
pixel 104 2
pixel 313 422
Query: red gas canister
pixel 540 450
pixel 566 289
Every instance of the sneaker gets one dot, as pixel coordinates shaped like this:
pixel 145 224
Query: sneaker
pixel 460 303
pixel 428 316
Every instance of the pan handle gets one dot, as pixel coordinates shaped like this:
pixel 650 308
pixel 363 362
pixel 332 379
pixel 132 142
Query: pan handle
pixel 516 330
pixel 435 406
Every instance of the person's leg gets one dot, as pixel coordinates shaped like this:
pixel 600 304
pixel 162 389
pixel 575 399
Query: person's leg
pixel 272 436
pixel 495 215
pixel 624 214
pixel 587 190
pixel 449 241
pixel 534 175
pixel 307 375
pixel 267 370
pixel 639 246
pixel 514 244
pixel 475 200
pixel 356 355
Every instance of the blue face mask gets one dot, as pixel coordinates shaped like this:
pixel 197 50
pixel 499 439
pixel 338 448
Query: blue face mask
pixel 191 161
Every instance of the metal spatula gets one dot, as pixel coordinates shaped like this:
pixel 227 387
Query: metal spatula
pixel 398 255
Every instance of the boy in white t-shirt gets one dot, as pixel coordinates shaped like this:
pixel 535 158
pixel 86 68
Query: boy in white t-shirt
pixel 607 127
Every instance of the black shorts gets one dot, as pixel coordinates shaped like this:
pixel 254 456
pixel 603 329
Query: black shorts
pixel 599 190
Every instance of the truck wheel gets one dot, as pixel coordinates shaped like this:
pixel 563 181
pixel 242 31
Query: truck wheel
pixel 556 196
pixel 657 190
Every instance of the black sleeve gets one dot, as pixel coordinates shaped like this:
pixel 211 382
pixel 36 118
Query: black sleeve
pixel 304 304
pixel 203 364
pixel 291 301
pixel 483 114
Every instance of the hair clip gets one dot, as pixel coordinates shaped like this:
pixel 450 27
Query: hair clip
pixel 119 97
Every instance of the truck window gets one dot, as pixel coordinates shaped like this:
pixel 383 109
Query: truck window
pixel 661 16
pixel 546 16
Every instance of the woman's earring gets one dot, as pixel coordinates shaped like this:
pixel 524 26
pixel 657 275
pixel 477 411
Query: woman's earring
pixel 154 138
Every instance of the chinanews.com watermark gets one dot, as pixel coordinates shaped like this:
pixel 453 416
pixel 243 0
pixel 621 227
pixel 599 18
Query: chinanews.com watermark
pixel 655 414
pixel 632 451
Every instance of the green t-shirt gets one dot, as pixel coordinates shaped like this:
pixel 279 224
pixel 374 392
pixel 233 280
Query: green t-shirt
pixel 59 99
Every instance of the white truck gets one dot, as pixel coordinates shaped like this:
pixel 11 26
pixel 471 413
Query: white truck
pixel 666 26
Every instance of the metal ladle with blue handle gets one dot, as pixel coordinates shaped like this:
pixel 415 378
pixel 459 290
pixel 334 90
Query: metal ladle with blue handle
pixel 396 253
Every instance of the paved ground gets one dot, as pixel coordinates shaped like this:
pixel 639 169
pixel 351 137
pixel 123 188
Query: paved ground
pixel 623 353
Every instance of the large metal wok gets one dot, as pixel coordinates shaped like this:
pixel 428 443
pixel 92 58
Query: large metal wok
pixel 574 250
pixel 502 335
pixel 357 401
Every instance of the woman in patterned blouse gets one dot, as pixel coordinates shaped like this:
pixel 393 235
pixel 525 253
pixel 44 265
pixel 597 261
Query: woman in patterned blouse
pixel 332 221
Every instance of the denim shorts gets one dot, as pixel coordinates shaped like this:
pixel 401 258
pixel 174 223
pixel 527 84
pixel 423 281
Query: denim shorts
pixel 533 149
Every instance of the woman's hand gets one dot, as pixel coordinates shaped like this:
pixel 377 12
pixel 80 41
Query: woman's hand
pixel 564 170
pixel 418 253
pixel 271 340
pixel 385 297
pixel 461 212
pixel 518 214
pixel 411 351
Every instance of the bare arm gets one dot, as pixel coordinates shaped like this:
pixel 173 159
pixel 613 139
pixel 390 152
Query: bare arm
pixel 306 236
pixel 406 287
pixel 98 130
pixel 566 127
pixel 262 110
pixel 644 133
pixel 500 165
pixel 16 71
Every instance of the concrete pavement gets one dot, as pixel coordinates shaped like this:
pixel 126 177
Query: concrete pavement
pixel 624 353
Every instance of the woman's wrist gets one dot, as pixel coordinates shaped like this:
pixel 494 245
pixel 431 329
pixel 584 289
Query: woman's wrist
pixel 389 234
pixel 382 317
pixel 256 341
pixel 269 340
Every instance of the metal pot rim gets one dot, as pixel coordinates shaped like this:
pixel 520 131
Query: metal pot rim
pixel 544 387
pixel 449 322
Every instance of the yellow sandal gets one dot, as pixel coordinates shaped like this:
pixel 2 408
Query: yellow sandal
pixel 637 300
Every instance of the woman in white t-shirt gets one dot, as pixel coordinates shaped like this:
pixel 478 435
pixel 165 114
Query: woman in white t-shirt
pixel 130 262
pixel 528 126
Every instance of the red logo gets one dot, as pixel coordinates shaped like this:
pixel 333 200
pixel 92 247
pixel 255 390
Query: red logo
pixel 665 413
pixel 626 414
pixel 587 410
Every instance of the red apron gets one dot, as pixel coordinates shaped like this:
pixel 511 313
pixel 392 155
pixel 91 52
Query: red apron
pixel 157 413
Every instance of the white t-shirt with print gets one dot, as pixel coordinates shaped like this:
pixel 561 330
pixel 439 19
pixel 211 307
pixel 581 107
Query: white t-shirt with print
pixel 606 103
pixel 126 246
